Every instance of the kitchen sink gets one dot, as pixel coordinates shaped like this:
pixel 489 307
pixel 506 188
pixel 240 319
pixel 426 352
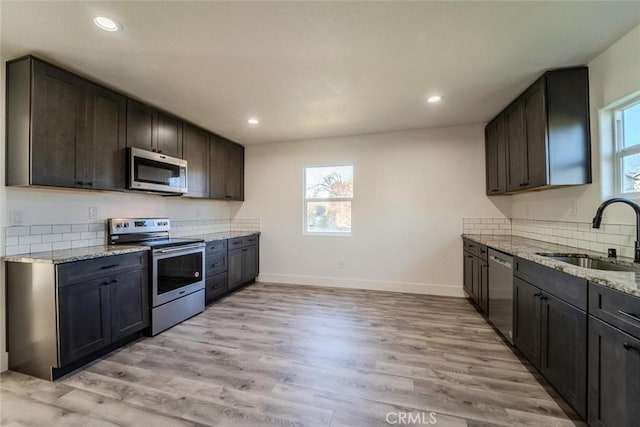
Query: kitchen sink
pixel 586 261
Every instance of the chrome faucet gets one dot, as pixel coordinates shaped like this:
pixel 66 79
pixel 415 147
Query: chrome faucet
pixel 598 219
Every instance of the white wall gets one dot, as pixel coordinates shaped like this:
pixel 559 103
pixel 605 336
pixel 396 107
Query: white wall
pixel 613 75
pixel 411 191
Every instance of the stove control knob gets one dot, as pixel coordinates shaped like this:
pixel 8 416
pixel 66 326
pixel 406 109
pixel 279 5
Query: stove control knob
pixel 126 225
pixel 118 225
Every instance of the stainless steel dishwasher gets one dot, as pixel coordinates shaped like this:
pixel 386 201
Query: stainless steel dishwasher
pixel 501 292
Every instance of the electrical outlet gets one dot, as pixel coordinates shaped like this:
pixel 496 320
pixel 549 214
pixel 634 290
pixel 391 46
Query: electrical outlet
pixel 340 264
pixel 93 213
pixel 15 218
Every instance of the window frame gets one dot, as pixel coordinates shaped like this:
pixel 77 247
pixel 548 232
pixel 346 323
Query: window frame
pixel 619 151
pixel 305 200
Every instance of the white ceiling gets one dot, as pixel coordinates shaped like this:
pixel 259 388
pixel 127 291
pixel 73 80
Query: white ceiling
pixel 318 69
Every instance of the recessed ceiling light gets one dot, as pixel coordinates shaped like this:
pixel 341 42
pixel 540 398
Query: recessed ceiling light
pixel 436 98
pixel 253 121
pixel 106 24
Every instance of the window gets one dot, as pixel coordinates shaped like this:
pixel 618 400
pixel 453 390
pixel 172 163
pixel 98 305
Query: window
pixel 328 194
pixel 627 143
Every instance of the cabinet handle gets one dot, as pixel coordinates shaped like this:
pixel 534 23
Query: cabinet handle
pixel 114 281
pixel 105 267
pixel 524 184
pixel 88 184
pixel 79 182
pixel 539 294
pixel 629 315
pixel 227 197
pixel 495 190
pixel 628 346
pixel 543 298
pixel 245 250
pixel 216 264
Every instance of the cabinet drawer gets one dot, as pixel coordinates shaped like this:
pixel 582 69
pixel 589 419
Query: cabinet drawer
pixel 616 308
pixel 568 288
pixel 216 246
pixel 215 286
pixel 241 242
pixel 471 246
pixel 80 271
pixel 216 263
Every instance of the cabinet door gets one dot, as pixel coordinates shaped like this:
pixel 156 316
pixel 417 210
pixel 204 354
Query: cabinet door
pixel 129 303
pixel 58 152
pixel 468 274
pixel 526 330
pixel 142 126
pixel 169 141
pixel 496 163
pixel 536 134
pixel 217 168
pixel 234 268
pixel 85 319
pixel 234 186
pixel 483 285
pixel 196 153
pixel 518 174
pixel 614 370
pixel 475 279
pixel 564 350
pixel 249 263
pixel 105 139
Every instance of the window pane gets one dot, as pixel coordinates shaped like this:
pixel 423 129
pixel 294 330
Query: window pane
pixel 329 182
pixel 631 125
pixel 329 217
pixel 631 174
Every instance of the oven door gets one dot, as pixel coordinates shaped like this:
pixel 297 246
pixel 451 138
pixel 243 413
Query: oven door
pixel 177 271
pixel 157 172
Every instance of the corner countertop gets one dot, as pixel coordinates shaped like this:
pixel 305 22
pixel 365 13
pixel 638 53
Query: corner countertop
pixel 225 235
pixel 71 255
pixel 623 281
pixel 80 254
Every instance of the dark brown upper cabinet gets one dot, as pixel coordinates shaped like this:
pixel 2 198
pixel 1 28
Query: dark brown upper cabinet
pixel 66 131
pixel 226 172
pixel 546 135
pixel 496 156
pixel 62 130
pixel 196 153
pixel 150 129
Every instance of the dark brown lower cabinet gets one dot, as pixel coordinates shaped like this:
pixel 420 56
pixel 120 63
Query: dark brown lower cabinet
pixel 552 334
pixel 614 376
pixel 526 327
pixel 96 313
pixel 129 304
pixel 476 274
pixel 85 319
pixel 564 350
pixel 243 266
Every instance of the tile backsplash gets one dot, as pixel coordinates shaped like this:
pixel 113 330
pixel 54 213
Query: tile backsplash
pixel 576 234
pixel 43 238
pixel 499 226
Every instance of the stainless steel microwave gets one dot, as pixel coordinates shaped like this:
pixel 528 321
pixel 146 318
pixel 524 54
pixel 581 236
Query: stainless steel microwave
pixel 156 172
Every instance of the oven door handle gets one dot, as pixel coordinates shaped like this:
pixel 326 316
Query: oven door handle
pixel 186 248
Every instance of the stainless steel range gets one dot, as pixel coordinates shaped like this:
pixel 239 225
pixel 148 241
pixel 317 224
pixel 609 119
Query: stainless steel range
pixel 177 268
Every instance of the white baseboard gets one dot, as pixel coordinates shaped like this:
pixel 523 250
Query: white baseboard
pixel 4 361
pixel 374 285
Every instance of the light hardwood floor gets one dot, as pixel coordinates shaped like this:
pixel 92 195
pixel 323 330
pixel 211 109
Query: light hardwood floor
pixel 301 356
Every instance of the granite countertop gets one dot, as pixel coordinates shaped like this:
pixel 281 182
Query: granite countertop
pixel 212 237
pixel 624 281
pixel 79 254
pixel 71 255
